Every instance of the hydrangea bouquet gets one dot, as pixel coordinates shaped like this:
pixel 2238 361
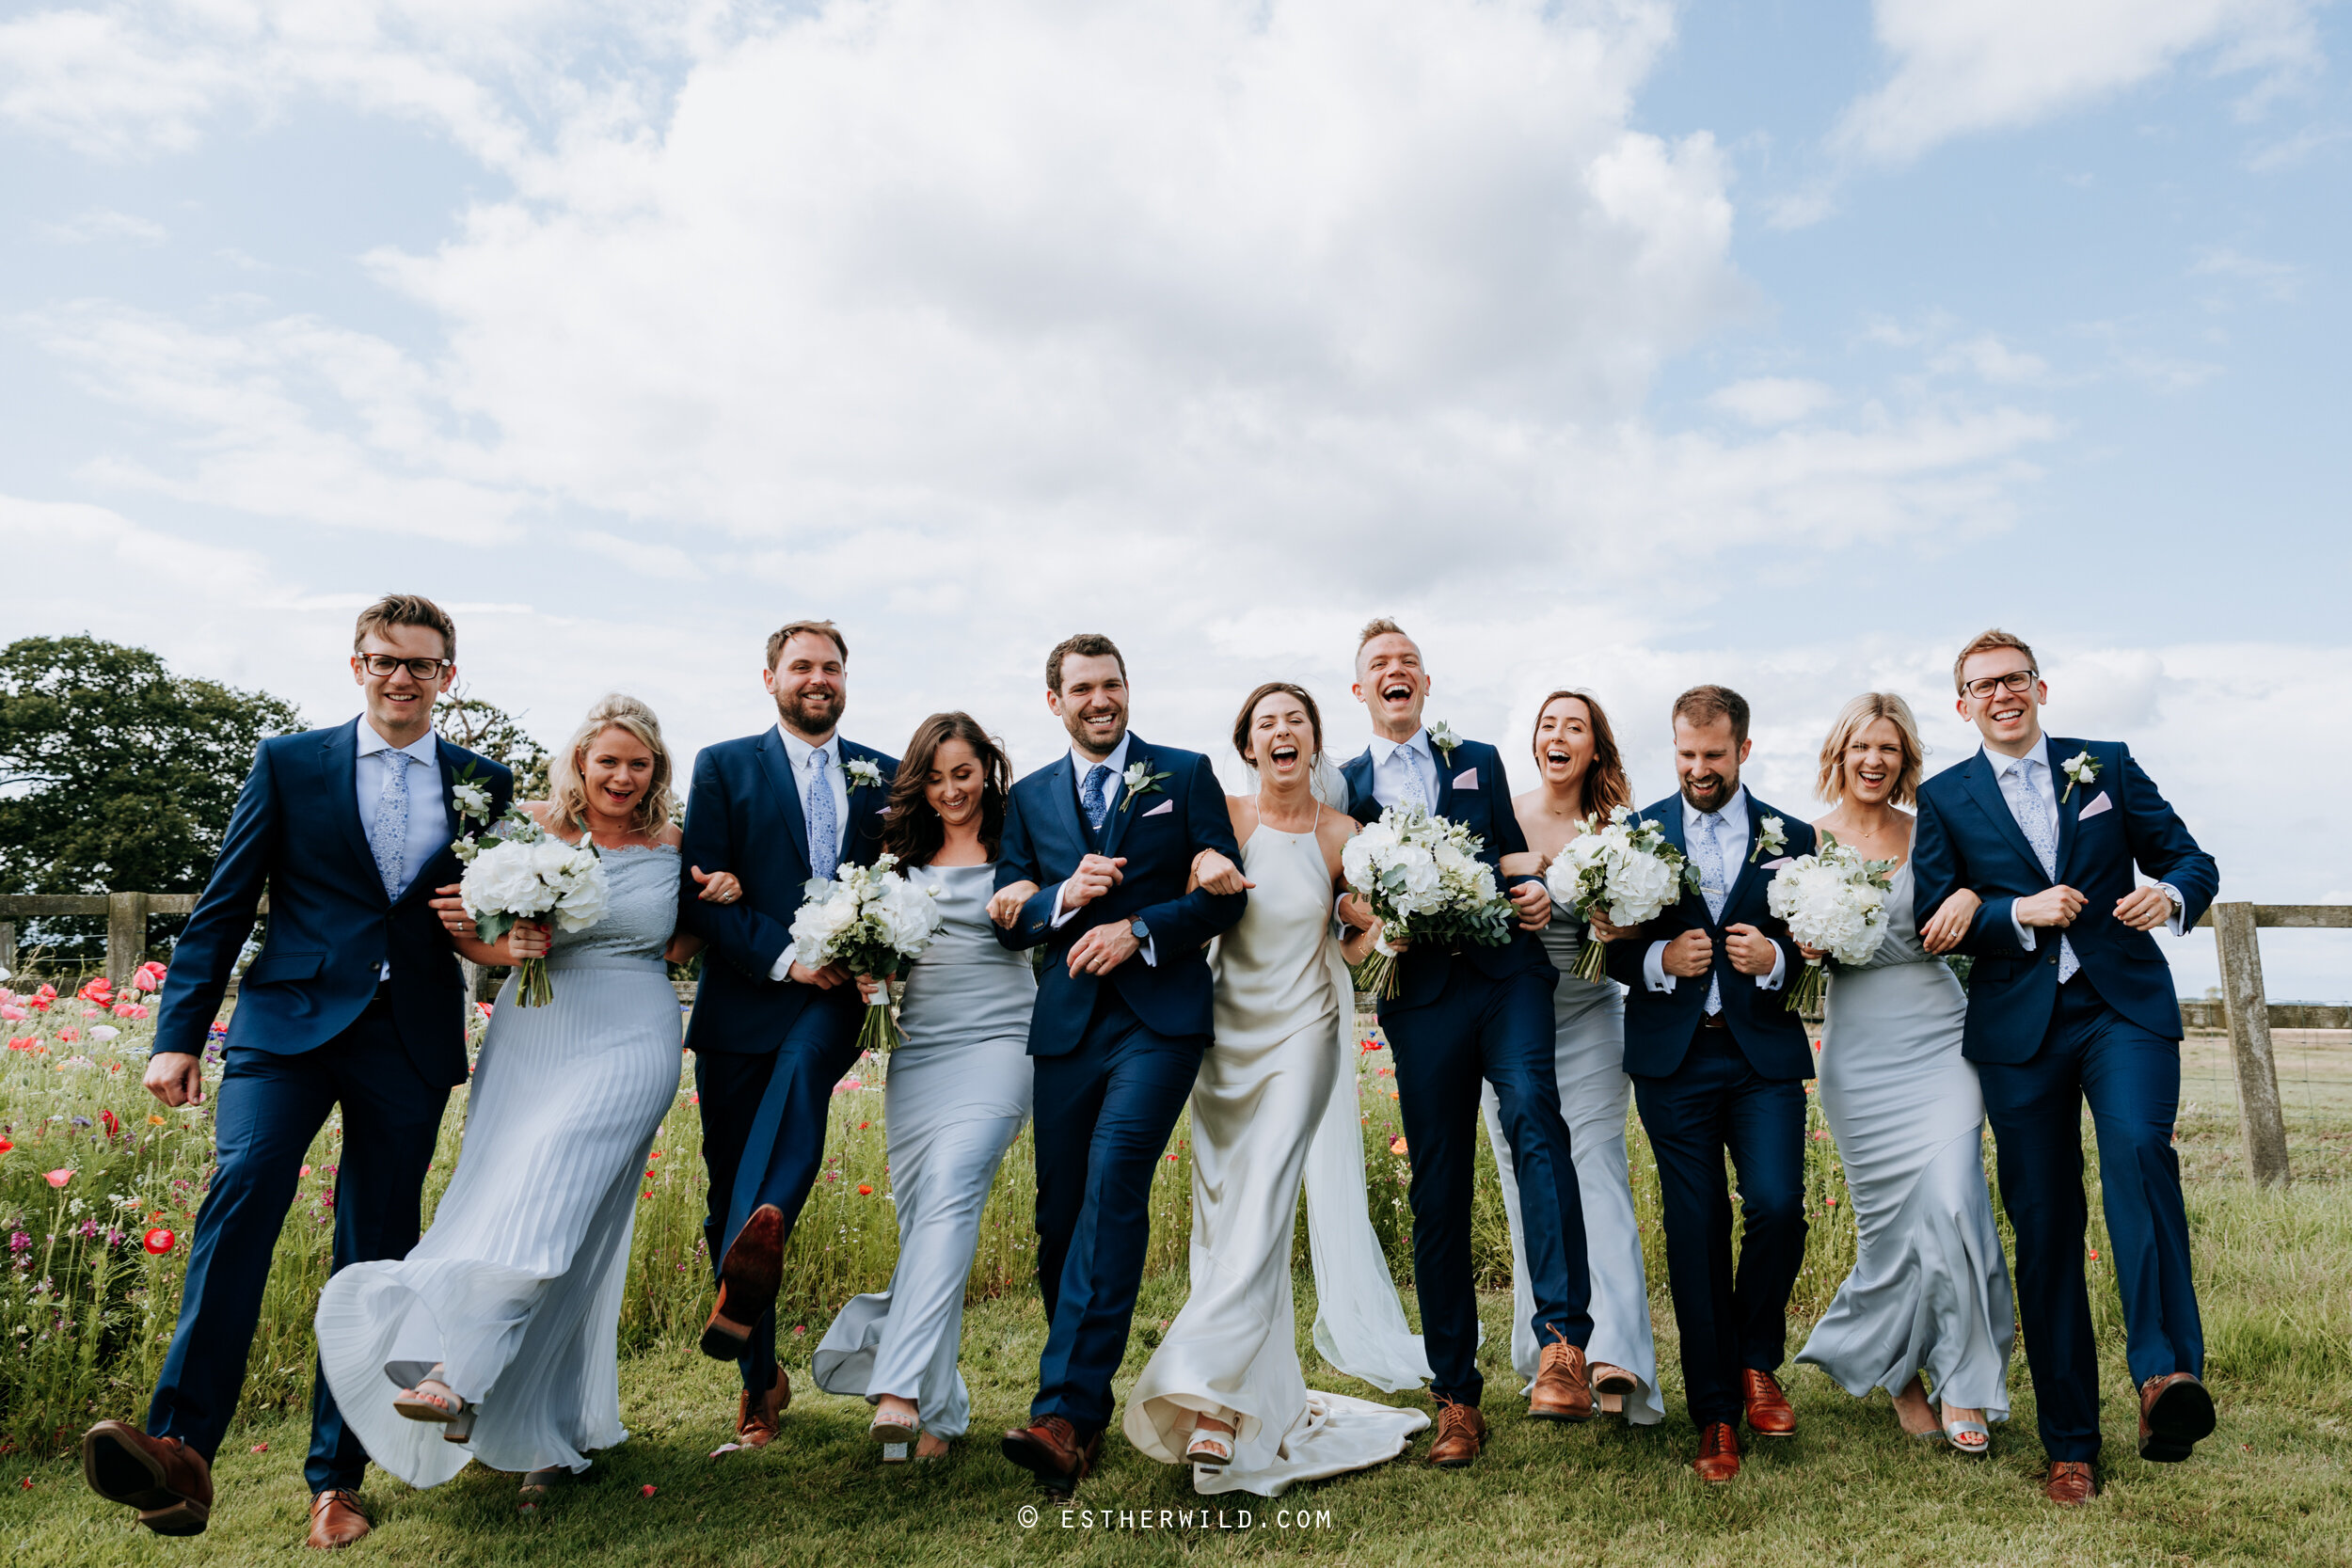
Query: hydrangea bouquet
pixel 870 920
pixel 1833 900
pixel 1422 877
pixel 1625 867
pixel 517 870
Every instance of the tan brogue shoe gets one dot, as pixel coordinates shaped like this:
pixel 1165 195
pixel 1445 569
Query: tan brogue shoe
pixel 1768 1414
pixel 335 1519
pixel 1461 1432
pixel 2175 1411
pixel 1051 1449
pixel 168 1481
pixel 2069 1483
pixel 756 1421
pixel 1562 1390
pixel 1718 1452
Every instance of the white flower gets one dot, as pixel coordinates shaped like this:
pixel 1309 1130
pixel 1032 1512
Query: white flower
pixel 1770 839
pixel 2081 769
pixel 472 798
pixel 1441 736
pixel 103 1031
pixel 863 772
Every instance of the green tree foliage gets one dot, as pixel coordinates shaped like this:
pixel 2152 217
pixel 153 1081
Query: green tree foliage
pixel 480 726
pixel 115 773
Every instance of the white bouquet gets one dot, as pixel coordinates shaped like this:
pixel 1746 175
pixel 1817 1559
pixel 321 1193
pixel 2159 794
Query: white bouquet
pixel 518 871
pixel 870 920
pixel 1833 900
pixel 1422 877
pixel 1625 869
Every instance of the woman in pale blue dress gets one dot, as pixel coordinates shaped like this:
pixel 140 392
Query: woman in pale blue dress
pixel 1929 1297
pixel 497 1337
pixel 958 1089
pixel 1580 776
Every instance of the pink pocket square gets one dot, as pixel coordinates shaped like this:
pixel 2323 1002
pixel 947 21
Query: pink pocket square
pixel 1775 865
pixel 1469 779
pixel 1162 809
pixel 2095 805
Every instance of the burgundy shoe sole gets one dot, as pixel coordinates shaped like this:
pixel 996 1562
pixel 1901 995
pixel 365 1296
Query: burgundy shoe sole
pixel 124 1473
pixel 2182 1416
pixel 748 1277
pixel 1035 1457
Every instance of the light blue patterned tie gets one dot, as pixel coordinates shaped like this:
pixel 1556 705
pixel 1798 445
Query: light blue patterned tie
pixel 1713 888
pixel 1091 796
pixel 388 834
pixel 1415 787
pixel 2033 818
pixel 824 822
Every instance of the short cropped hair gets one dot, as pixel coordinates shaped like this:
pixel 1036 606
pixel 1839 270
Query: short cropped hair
pixel 406 609
pixel 1857 716
pixel 1379 626
pixel 1704 704
pixel 1984 641
pixel 785 633
pixel 1087 644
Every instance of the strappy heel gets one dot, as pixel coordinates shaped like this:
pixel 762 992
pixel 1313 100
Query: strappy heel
pixel 1210 1449
pixel 452 1415
pixel 1952 1431
pixel 896 1437
pixel 537 1486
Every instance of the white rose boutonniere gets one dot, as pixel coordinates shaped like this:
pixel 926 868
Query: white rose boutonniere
pixel 1771 837
pixel 862 771
pixel 1140 780
pixel 1441 736
pixel 470 793
pixel 2081 769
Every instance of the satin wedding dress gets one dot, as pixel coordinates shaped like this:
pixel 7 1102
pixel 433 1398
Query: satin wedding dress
pixel 1275 1105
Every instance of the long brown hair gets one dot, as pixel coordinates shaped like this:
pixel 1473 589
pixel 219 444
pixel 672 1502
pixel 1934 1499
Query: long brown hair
pixel 1606 786
pixel 1250 708
pixel 910 829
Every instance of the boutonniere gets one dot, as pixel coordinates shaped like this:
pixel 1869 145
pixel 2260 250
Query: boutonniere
pixel 471 796
pixel 2081 769
pixel 862 771
pixel 1441 736
pixel 1771 837
pixel 1139 780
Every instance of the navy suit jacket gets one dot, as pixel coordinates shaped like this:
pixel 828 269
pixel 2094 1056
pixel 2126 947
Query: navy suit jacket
pixel 1159 833
pixel 1967 838
pixel 296 832
pixel 1471 791
pixel 743 815
pixel 1659 1025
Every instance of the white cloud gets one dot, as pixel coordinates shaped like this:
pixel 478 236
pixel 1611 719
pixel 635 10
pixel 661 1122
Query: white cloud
pixel 1999 64
pixel 1772 400
pixel 99 223
pixel 2278 280
pixel 1993 361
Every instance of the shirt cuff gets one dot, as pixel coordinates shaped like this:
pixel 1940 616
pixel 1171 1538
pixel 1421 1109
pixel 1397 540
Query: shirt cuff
pixel 1149 954
pixel 1654 968
pixel 1780 968
pixel 782 968
pixel 2024 932
pixel 1061 916
pixel 2180 906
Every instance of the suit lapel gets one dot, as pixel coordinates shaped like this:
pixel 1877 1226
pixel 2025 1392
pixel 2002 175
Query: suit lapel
pixel 1128 803
pixel 1062 785
pixel 339 762
pixel 1668 820
pixel 1445 781
pixel 857 793
pixel 1748 862
pixel 2069 812
pixel 1357 770
pixel 1977 773
pixel 778 768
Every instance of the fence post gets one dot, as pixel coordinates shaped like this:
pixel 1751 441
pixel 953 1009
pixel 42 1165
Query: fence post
pixel 126 937
pixel 2249 1009
pixel 7 945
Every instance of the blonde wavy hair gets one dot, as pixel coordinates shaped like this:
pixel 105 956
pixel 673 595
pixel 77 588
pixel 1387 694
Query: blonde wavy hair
pixel 567 791
pixel 1857 716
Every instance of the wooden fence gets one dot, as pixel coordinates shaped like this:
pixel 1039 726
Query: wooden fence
pixel 2243 1011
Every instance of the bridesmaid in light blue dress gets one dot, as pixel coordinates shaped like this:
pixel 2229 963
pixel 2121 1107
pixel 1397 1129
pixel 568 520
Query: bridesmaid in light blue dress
pixel 958 1089
pixel 1928 1295
pixel 1581 775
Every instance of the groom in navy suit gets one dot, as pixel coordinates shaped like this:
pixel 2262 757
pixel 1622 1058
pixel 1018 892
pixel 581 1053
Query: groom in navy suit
pixel 2070 1001
pixel 1460 1017
pixel 1098 845
pixel 355 1000
pixel 1718 1065
pixel 771 1035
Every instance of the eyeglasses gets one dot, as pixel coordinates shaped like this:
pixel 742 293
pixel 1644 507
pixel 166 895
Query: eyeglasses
pixel 384 665
pixel 2016 680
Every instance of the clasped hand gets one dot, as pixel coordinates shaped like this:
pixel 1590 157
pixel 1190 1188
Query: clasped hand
pixel 1693 953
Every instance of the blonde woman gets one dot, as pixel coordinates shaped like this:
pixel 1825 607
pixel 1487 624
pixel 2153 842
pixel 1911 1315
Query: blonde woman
pixel 1929 1289
pixel 495 1338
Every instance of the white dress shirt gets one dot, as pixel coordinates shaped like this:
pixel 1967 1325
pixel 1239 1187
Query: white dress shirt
pixel 1392 760
pixel 1732 837
pixel 428 805
pixel 1112 787
pixel 2043 781
pixel 801 754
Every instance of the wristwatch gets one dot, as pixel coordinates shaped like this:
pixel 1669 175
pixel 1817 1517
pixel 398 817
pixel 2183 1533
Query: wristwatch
pixel 1141 931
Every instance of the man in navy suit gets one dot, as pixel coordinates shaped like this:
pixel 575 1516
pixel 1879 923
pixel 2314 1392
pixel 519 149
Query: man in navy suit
pixel 2069 1000
pixel 1719 1064
pixel 356 1000
pixel 1098 847
pixel 1458 1017
pixel 771 1035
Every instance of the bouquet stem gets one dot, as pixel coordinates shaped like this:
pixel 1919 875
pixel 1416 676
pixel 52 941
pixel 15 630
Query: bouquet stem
pixel 881 1032
pixel 1592 962
pixel 532 989
pixel 1376 977
pixel 1806 994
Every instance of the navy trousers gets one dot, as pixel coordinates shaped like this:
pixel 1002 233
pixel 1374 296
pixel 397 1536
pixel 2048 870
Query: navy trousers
pixel 1104 1114
pixel 1728 1321
pixel 2131 1080
pixel 269 1109
pixel 763 1132
pixel 1499 1031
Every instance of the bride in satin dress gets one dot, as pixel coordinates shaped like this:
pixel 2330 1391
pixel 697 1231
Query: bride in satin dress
pixel 1274 1105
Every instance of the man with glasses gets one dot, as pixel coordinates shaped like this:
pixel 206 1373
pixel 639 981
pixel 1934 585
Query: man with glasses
pixel 2070 1000
pixel 355 1001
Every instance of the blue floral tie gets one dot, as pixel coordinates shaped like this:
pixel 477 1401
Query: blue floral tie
pixel 1091 796
pixel 1714 889
pixel 824 822
pixel 388 834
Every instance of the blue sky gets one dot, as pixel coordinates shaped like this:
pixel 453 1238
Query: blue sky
pixel 1624 345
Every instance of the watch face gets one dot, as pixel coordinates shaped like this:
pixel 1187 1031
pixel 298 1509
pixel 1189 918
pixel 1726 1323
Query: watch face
pixel 1143 932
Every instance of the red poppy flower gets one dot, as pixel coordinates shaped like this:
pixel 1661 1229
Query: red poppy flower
pixel 158 1241
pixel 60 1177
pixel 864 1190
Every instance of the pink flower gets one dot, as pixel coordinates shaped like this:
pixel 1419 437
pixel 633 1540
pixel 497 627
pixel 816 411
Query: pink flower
pixel 149 976
pixel 12 1013
pixel 128 1009
pixel 60 1177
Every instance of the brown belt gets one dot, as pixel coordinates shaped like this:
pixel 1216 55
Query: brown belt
pixel 1713 1021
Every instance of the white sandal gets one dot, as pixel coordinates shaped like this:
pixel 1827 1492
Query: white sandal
pixel 1210 1448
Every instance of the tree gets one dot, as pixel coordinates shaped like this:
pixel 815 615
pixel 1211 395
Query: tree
pixel 480 726
pixel 117 774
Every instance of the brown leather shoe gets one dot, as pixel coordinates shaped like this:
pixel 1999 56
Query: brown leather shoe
pixel 1461 1432
pixel 2174 1412
pixel 335 1519
pixel 1562 1390
pixel 168 1481
pixel 2069 1483
pixel 1718 1452
pixel 1768 1415
pixel 1051 1449
pixel 748 1276
pixel 758 1422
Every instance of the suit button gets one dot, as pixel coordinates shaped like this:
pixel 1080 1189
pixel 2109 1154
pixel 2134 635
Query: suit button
pixel 2054 957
